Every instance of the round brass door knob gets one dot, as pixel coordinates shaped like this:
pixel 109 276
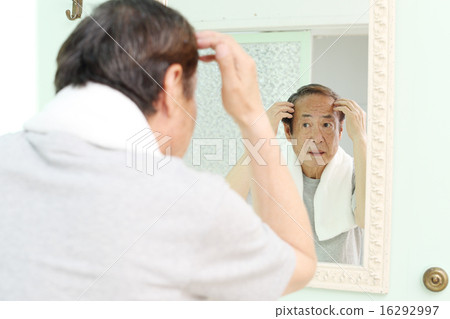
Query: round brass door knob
pixel 435 279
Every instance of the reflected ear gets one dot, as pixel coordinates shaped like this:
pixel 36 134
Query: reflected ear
pixel 341 129
pixel 287 131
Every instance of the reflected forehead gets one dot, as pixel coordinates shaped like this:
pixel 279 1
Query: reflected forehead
pixel 315 101
pixel 315 105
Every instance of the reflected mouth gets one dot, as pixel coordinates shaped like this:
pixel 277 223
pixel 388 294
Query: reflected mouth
pixel 320 153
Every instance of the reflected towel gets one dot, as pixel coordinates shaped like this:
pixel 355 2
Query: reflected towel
pixel 333 202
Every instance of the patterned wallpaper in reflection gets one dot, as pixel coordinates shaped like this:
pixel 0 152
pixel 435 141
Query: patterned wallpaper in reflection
pixel 216 144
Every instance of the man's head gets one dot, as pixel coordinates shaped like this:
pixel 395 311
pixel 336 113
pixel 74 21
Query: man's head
pixel 315 120
pixel 138 47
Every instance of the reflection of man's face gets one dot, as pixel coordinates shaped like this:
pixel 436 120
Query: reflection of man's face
pixel 314 119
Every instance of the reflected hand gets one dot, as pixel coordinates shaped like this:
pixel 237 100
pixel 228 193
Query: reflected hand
pixel 355 122
pixel 279 111
pixel 240 93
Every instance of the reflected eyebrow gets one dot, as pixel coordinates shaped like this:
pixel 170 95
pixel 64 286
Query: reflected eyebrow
pixel 328 116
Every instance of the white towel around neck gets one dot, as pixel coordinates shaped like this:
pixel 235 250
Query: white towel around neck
pixel 96 113
pixel 333 213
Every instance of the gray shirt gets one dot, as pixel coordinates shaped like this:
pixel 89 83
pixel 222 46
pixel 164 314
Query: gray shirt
pixel 345 248
pixel 76 223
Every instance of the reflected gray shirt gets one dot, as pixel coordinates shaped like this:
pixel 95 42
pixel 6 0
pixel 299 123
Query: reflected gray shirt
pixel 345 248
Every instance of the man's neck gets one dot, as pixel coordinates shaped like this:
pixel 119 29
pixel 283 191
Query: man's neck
pixel 313 172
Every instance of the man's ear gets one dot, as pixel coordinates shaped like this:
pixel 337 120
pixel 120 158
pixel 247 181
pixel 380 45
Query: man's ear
pixel 341 128
pixel 287 131
pixel 172 90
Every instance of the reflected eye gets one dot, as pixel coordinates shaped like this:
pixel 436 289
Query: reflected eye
pixel 305 125
pixel 328 125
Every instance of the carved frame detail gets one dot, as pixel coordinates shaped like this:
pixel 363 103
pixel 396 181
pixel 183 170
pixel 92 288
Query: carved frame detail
pixel 373 276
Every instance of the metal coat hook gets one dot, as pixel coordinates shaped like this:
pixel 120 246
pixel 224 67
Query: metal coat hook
pixel 77 9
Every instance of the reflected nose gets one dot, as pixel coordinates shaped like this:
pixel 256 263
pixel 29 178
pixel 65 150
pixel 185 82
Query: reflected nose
pixel 317 136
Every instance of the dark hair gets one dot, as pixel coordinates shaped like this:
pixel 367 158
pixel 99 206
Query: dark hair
pixel 120 40
pixel 311 89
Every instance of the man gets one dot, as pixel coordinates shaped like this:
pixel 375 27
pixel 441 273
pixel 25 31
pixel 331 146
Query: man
pixel 332 184
pixel 77 223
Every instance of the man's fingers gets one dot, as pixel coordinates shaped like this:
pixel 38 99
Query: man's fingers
pixel 347 108
pixel 343 109
pixel 208 58
pixel 286 114
pixel 288 109
pixel 343 103
pixel 283 110
pixel 355 108
pixel 352 105
pixel 281 116
pixel 351 109
pixel 202 34
pixel 240 94
pixel 214 40
pixel 207 35
pixel 226 63
pixel 223 56
pixel 284 104
pixel 229 55
pixel 211 39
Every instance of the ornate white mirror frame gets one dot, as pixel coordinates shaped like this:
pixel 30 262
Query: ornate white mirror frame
pixel 373 276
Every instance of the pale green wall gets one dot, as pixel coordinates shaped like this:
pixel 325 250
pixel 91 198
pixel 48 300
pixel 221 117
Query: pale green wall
pixel 421 186
pixel 53 27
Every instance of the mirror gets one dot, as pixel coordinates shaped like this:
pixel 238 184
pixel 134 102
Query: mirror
pixel 285 52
